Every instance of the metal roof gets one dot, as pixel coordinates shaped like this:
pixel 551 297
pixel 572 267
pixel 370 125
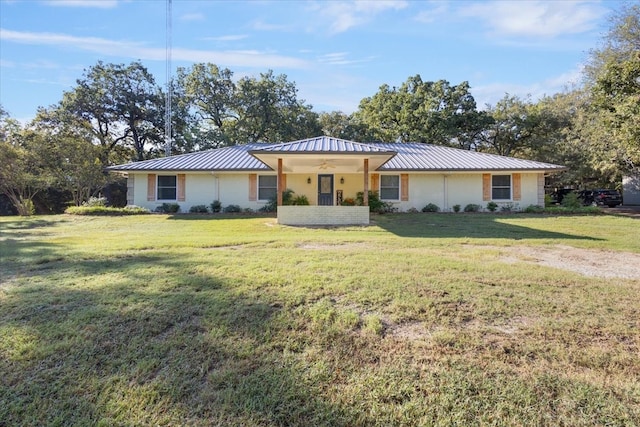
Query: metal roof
pixel 404 157
pixel 234 158
pixel 324 144
pixel 427 157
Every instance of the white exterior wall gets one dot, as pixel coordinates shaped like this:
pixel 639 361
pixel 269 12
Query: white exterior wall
pixel 447 190
pixel 444 190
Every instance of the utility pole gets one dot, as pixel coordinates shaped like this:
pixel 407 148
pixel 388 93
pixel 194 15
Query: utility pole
pixel 167 101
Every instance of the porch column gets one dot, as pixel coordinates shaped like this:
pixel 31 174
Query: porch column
pixel 279 184
pixel 365 195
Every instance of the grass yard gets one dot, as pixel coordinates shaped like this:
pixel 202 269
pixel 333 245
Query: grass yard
pixel 417 320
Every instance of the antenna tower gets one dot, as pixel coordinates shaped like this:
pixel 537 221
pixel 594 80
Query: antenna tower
pixel 167 101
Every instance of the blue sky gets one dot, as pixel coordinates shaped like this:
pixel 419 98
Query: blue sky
pixel 336 52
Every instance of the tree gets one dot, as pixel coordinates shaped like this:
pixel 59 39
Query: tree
pixel 518 128
pixel 22 174
pixel 264 109
pixel 121 105
pixel 345 126
pixel 268 110
pixel 419 111
pixel 210 92
pixel 72 161
pixel 613 76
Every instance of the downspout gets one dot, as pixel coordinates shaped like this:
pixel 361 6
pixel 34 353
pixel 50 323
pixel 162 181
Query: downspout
pixel 445 192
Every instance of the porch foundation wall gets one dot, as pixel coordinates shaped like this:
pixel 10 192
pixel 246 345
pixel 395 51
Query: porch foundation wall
pixel 323 215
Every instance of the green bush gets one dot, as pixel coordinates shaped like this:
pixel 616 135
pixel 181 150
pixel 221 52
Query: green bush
pixel 492 206
pixel 431 207
pixel 508 207
pixel 287 197
pixel 571 201
pixel 198 209
pixel 216 206
pixel 300 200
pixel 375 204
pixel 534 209
pixel 456 208
pixel 95 201
pixel 232 209
pixel 168 208
pixel 106 211
pixel 471 207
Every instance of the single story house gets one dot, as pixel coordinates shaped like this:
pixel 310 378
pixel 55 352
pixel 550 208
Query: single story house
pixel 328 171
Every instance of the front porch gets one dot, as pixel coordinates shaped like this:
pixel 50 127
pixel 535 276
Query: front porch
pixel 323 215
pixel 322 160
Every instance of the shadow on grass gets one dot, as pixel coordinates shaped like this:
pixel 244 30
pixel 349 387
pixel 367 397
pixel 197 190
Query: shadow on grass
pixel 113 342
pixel 478 226
pixel 220 216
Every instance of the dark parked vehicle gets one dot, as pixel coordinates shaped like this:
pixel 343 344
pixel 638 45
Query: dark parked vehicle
pixel 602 197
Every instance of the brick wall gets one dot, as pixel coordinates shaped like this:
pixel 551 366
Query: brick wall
pixel 323 215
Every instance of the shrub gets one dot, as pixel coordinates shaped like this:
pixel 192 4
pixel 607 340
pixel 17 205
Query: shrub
pixel 508 207
pixel 412 210
pixel 349 201
pixel 534 209
pixel 456 208
pixel 269 207
pixel 492 206
pixel 300 200
pixel 375 204
pixel 548 201
pixel 216 206
pixel 232 209
pixel 198 209
pixel 471 207
pixel 431 207
pixel 106 211
pixel 571 201
pixel 95 201
pixel 168 208
pixel 287 197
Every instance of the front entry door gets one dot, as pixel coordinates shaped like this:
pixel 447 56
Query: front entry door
pixel 325 190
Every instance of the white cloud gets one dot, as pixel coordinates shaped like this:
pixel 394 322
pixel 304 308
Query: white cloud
pixel 190 17
pixel 139 51
pixel 341 58
pixel 101 4
pixel 344 15
pixel 228 38
pixel 428 16
pixel 536 18
pixel 492 93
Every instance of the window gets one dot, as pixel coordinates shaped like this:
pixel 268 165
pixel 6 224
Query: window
pixel 167 187
pixel 267 187
pixel 501 187
pixel 389 187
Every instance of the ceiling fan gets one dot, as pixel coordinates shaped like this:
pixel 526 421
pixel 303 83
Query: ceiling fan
pixel 325 165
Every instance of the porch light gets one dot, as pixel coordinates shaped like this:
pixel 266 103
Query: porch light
pixel 342 180
pixel 309 180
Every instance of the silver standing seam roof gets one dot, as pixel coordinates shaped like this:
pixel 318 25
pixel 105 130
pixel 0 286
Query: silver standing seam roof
pixel 416 157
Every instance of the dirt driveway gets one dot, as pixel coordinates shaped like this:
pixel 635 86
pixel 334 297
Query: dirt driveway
pixel 588 262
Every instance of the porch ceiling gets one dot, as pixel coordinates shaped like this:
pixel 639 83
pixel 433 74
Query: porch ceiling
pixel 323 162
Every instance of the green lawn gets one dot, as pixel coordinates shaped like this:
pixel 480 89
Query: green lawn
pixel 219 320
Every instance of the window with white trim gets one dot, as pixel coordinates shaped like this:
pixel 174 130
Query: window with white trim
pixel 389 187
pixel 167 187
pixel 267 187
pixel 501 187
